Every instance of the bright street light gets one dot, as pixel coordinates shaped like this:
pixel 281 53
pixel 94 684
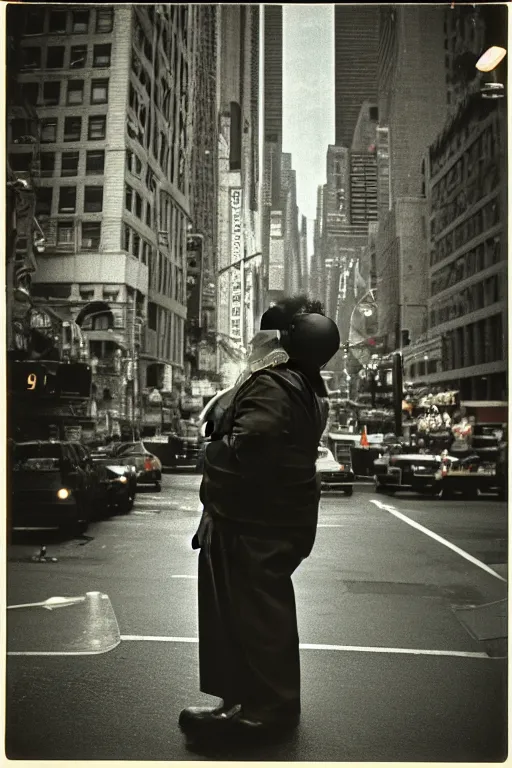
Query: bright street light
pixel 491 58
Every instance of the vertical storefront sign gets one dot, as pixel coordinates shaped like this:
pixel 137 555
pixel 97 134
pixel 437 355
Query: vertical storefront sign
pixel 236 271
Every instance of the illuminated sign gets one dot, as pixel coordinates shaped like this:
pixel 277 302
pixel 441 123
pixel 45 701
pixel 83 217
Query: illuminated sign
pixel 68 380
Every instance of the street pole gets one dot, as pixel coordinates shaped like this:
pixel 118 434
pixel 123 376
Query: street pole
pixel 397 392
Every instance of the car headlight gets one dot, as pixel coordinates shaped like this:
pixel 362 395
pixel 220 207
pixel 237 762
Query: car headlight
pixel 63 493
pixel 123 479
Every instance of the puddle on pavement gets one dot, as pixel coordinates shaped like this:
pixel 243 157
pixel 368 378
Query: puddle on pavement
pixel 67 626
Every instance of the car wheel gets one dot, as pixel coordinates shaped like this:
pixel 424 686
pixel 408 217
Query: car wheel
pixel 379 488
pixel 158 486
pixel 126 505
pixel 348 491
pixel 75 530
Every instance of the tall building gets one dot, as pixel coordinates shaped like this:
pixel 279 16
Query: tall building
pixel 412 108
pixel 200 343
pixel 238 239
pixel 290 223
pixel 466 185
pixel 113 89
pixel 271 215
pixel 356 35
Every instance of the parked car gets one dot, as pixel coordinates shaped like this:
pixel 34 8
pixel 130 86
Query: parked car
pixel 407 471
pixel 120 479
pixel 334 476
pixel 49 488
pixel 468 477
pixel 148 467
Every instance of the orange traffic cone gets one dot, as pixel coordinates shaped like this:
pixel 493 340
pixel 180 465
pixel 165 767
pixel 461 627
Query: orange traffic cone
pixel 364 439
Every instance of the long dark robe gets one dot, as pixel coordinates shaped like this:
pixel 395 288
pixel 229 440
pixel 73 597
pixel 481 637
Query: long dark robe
pixel 260 496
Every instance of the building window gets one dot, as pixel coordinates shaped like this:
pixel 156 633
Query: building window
pixel 72 128
pixel 126 237
pixel 93 199
pixel 138 205
pixel 152 315
pixel 44 201
pixel 91 235
pixel 21 161
pixel 48 130
pixel 51 94
pixel 35 23
pixel 78 56
pixel 69 164
pixel 80 23
pixel 99 92
pixel 135 244
pixel 55 57
pixel 47 160
pixel 101 56
pixel 65 232
pixel 67 200
pixel 104 20
pixel 75 92
pixel 30 93
pixel 149 216
pixel 128 198
pixel 31 58
pixel 97 128
pixel 57 24
pixel 95 162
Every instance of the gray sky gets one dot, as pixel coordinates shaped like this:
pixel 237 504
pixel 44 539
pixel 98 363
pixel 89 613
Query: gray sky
pixel 308 97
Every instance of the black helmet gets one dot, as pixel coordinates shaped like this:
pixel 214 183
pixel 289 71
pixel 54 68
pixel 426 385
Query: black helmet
pixel 311 338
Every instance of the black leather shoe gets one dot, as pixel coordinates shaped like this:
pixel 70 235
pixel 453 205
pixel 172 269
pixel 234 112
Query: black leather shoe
pixel 204 717
pixel 247 726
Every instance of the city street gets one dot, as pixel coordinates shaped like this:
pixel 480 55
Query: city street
pixel 390 671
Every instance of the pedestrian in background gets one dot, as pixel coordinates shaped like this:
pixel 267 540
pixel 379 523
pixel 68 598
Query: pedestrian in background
pixel 260 496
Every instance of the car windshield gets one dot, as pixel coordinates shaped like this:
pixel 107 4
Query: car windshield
pixel 37 456
pixel 323 453
pixel 130 450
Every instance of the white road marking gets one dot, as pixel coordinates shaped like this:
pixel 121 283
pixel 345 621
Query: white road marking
pixel 322 647
pixel 331 525
pixel 436 537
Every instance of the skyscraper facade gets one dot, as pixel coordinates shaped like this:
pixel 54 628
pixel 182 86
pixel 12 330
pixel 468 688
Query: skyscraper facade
pixel 238 241
pixel 113 88
pixel 271 214
pixel 412 106
pixel 356 35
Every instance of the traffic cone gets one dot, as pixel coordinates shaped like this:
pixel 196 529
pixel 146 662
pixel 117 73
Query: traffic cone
pixel 364 439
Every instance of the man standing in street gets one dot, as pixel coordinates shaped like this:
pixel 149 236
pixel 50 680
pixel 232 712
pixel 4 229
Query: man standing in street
pixel 260 495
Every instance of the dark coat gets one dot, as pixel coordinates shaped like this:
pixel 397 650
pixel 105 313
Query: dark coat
pixel 260 468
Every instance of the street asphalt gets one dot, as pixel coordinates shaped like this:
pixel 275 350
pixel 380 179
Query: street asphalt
pixel 391 670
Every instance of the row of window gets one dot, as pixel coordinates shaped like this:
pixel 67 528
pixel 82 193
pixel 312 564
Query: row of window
pixel 67 200
pixel 482 257
pixel 52 93
pixel 165 277
pixel 487 141
pixel 71 129
pixel 40 21
pixel 483 149
pixel 136 245
pixel 69 162
pixel 90 235
pixel 471 299
pixel 481 221
pixel 474 344
pixel 445 212
pixel 56 56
